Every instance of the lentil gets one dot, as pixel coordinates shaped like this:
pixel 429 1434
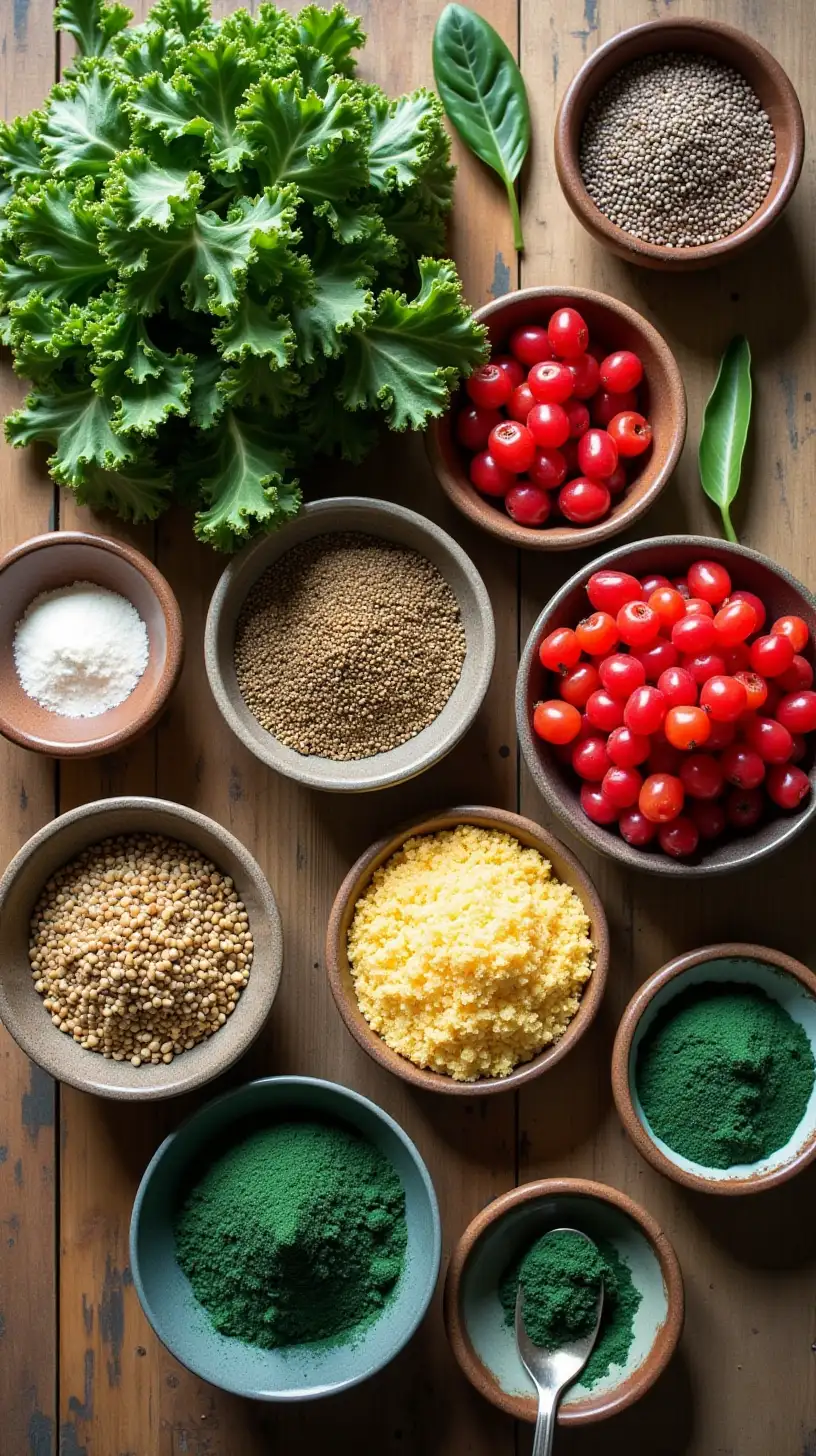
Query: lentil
pixel 349 646
pixel 468 955
pixel 140 948
pixel 677 150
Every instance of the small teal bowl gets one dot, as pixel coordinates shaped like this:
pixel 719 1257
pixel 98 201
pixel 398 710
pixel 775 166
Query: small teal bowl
pixel 183 1325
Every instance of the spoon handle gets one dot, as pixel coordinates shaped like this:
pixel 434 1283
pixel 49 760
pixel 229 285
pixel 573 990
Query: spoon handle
pixel 545 1423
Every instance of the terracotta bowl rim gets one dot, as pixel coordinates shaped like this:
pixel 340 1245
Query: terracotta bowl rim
pixel 171 667
pixel 612 844
pixel 571 538
pixel 348 894
pixel 581 90
pixel 595 1409
pixel 621 1082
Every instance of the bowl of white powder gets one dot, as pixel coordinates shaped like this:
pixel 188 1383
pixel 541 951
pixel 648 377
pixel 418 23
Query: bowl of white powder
pixel 91 644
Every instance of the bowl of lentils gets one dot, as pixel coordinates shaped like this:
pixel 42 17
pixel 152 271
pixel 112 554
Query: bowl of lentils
pixel 353 649
pixel 679 142
pixel 142 948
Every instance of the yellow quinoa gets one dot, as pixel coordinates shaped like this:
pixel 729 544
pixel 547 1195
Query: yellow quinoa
pixel 468 955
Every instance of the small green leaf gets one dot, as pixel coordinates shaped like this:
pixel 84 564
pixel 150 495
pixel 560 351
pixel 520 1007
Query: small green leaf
pixel 483 93
pixel 92 23
pixel 85 124
pixel 725 430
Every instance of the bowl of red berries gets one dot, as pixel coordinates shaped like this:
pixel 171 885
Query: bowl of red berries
pixel 666 709
pixel 571 429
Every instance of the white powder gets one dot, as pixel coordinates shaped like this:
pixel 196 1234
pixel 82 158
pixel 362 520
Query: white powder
pixel 80 650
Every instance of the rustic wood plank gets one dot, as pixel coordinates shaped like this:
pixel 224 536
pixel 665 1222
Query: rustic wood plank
pixel 743 1266
pixel 28 1373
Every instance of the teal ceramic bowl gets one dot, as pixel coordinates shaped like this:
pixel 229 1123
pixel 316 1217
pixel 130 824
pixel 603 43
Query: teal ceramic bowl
pixel 299 1372
pixel 485 1345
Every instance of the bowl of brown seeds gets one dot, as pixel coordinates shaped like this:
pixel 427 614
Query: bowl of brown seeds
pixel 352 649
pixel 679 142
pixel 142 948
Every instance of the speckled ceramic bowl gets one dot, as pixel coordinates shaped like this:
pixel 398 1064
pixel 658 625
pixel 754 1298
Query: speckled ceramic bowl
pixel 780 977
pixel 296 1373
pixel 21 1007
pixel 485 1346
pixel 390 523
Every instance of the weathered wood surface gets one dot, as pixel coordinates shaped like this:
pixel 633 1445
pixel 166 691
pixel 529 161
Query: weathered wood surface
pixel 80 1372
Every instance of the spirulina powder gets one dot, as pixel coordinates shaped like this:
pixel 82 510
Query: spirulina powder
pixel 561 1274
pixel 295 1235
pixel 724 1074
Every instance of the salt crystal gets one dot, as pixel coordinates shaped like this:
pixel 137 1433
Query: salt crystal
pixel 80 650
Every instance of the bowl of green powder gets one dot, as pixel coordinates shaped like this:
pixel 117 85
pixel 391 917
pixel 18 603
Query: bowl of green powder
pixel 285 1240
pixel 513 1241
pixel 714 1069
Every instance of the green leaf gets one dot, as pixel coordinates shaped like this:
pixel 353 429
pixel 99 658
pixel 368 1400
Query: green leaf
pixel 403 135
pixel 55 228
pixel 201 100
pixel 92 23
pixel 188 16
pixel 207 403
pixel 149 47
pixel 43 336
pixel 725 430
pixel 145 383
pixel 245 481
pixel 334 33
pixel 256 328
pixel 21 155
pixel 140 190
pixel 341 300
pixel 317 143
pixel 257 381
pixel 409 358
pixel 483 93
pixel 85 125
pixel 78 423
pixel 137 492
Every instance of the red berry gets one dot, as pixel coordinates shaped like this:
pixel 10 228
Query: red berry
pixel 701 776
pixel 621 371
pixel 709 580
pixel 550 383
pixel 797 712
pixel 597 454
pixel 578 416
pixel 513 369
pixel 570 454
pixel 744 807
pixel 638 625
pixel 756 689
pixel 520 403
pixel 661 798
pixel 734 623
pixel 687 727
pixel 489 386
pixel 653 583
pixel 604 712
pixel 548 425
pixel 627 749
pixel 579 683
pixel 530 344
pixel 720 736
pixel 631 432
pixel 704 665
pixel 636 829
pixel 742 766
pixel 559 650
pixel 658 658
pixel 617 482
pixel 586 376
pixel 680 838
pixel 753 601
pixel 527 505
pixel 568 334
pixel 621 674
pixel 473 426
pixel 799 675
pixel 724 698
pixel 737 658
pixel 668 604
pixel 548 470
pixel 597 634
pixel 645 710
pixel 556 722
pixel 799 750
pixel 488 476
pixel 610 590
pixel 678 687
pixel 584 501
pixel 680 584
pixel 787 785
pixel 596 806
pixel 794 629
pixel 621 786
pixel 605 406
pixel 693 633
pixel 771 740
pixel 512 446
pixel 663 758
pixel 709 818
pixel 772 655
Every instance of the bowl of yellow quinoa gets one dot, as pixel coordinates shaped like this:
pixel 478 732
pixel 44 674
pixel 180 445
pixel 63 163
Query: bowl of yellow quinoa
pixel 467 952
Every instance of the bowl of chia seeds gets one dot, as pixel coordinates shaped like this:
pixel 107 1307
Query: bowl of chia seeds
pixel 714 1069
pixel 679 142
pixel 512 1241
pixel 353 649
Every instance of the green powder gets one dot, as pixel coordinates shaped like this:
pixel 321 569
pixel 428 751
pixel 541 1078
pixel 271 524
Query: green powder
pixel 295 1235
pixel 724 1074
pixel 561 1274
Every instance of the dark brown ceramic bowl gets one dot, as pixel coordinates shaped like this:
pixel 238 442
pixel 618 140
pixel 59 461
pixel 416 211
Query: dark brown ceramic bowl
pixel 671 556
pixel 500 1234
pixel 21 1007
pixel 783 979
pixel 567 869
pixel 58 559
pixel 743 54
pixel 615 326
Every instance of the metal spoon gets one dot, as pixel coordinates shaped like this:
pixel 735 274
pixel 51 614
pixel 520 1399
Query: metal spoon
pixel 551 1371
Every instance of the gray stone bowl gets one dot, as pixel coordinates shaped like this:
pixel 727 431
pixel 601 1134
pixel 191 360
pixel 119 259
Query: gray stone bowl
pixel 390 523
pixel 21 1007
pixel 670 556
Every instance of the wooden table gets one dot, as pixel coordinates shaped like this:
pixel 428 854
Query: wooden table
pixel 80 1371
